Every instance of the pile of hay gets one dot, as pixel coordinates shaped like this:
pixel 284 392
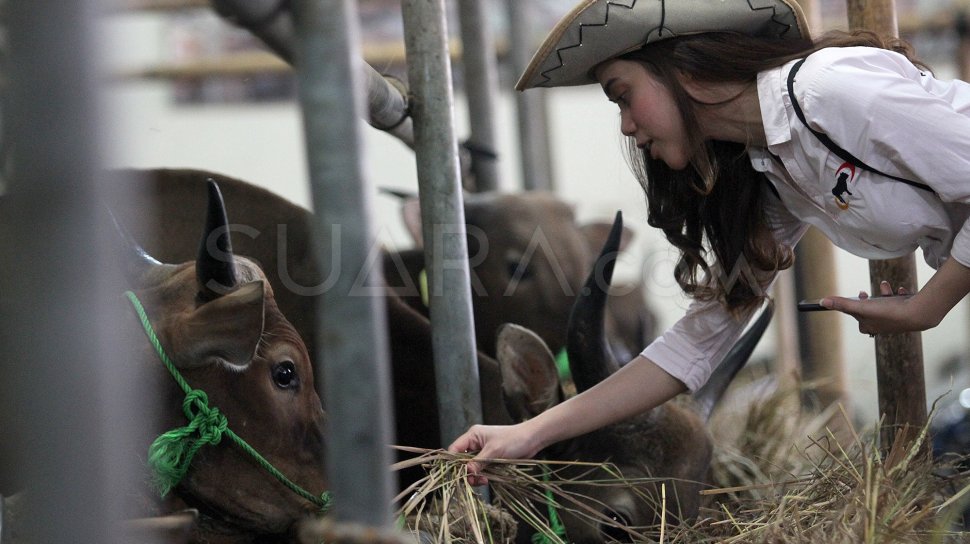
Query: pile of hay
pixel 783 476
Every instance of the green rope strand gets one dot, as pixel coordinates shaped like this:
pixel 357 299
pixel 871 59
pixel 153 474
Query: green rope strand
pixel 555 524
pixel 171 453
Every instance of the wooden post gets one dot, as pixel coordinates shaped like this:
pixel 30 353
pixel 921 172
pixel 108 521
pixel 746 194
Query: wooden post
pixel 899 357
pixel 963 45
pixel 819 336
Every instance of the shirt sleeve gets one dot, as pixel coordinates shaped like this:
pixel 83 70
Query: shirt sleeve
pixel 698 342
pixel 902 121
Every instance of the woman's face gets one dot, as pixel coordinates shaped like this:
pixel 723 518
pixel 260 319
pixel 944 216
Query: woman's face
pixel 648 113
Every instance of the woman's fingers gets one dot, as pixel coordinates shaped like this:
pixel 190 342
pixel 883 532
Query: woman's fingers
pixel 885 289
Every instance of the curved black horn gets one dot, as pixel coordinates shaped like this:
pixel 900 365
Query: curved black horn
pixel 707 397
pixel 590 358
pixel 214 267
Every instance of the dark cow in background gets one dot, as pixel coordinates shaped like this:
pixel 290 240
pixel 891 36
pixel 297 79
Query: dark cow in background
pixel 528 256
pixel 218 322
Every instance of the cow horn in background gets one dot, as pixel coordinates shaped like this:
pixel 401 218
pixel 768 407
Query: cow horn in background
pixel 707 397
pixel 590 358
pixel 214 267
pixel 134 259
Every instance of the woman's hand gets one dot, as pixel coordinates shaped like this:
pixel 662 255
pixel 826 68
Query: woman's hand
pixel 495 442
pixel 924 310
pixel 888 313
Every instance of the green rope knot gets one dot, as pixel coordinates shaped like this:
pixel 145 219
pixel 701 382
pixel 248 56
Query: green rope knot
pixel 171 453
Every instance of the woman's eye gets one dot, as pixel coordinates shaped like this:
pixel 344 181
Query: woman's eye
pixel 284 375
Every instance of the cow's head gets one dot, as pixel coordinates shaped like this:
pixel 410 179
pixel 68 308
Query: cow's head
pixel 668 445
pixel 217 320
pixel 527 255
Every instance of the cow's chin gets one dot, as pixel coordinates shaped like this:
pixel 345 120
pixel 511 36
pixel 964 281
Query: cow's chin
pixel 245 512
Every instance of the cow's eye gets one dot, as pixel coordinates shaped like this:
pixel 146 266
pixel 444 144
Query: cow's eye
pixel 284 375
pixel 612 531
pixel 518 270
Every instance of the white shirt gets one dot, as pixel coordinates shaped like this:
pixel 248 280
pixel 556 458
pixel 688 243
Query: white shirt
pixel 875 104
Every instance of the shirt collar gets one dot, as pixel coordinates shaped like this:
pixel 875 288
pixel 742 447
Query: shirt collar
pixel 775 105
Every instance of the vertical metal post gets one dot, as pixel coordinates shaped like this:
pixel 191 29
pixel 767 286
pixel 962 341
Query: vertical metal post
pixel 899 357
pixel 352 355
pixel 531 112
pixel 442 216
pixel 481 88
pixel 62 373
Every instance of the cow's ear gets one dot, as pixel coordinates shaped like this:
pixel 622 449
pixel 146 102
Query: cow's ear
pixel 530 382
pixel 227 328
pixel 411 215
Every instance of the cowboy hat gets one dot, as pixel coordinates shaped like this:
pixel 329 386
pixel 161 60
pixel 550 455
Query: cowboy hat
pixel 598 30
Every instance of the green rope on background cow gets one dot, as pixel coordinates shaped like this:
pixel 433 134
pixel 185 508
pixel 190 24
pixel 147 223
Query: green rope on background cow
pixel 562 365
pixel 171 453
pixel 555 524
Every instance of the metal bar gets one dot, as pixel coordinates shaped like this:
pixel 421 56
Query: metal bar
pixel 899 357
pixel 269 21
pixel 442 216
pixel 531 109
pixel 353 329
pixel 481 89
pixel 64 379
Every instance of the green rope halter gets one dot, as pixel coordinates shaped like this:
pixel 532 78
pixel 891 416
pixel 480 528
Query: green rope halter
pixel 555 524
pixel 171 453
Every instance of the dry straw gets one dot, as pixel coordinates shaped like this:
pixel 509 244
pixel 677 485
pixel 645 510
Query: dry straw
pixel 784 476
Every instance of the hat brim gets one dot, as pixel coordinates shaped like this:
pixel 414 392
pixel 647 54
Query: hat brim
pixel 598 30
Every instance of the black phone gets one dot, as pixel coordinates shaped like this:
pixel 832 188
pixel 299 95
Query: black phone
pixel 811 306
pixel 815 306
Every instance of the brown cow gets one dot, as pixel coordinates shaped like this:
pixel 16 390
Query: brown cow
pixel 218 322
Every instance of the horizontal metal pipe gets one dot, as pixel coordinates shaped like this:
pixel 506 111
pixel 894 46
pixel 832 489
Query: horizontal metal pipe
pixel 270 21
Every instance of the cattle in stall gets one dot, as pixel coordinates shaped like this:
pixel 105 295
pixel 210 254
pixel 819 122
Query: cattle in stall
pixel 671 440
pixel 669 444
pixel 528 253
pixel 218 323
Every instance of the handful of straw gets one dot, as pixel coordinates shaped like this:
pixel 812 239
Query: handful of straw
pixel 445 507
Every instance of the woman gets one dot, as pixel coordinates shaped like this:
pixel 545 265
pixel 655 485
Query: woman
pixel 734 176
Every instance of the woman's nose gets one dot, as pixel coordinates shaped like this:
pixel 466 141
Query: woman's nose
pixel 627 126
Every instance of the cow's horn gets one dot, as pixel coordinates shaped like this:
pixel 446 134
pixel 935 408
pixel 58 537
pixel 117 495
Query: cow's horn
pixel 214 268
pixel 135 260
pixel 590 358
pixel 707 397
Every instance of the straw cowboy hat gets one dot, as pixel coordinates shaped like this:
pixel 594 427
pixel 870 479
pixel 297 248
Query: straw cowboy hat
pixel 598 30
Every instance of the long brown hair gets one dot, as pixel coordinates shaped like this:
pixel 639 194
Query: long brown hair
pixel 717 204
